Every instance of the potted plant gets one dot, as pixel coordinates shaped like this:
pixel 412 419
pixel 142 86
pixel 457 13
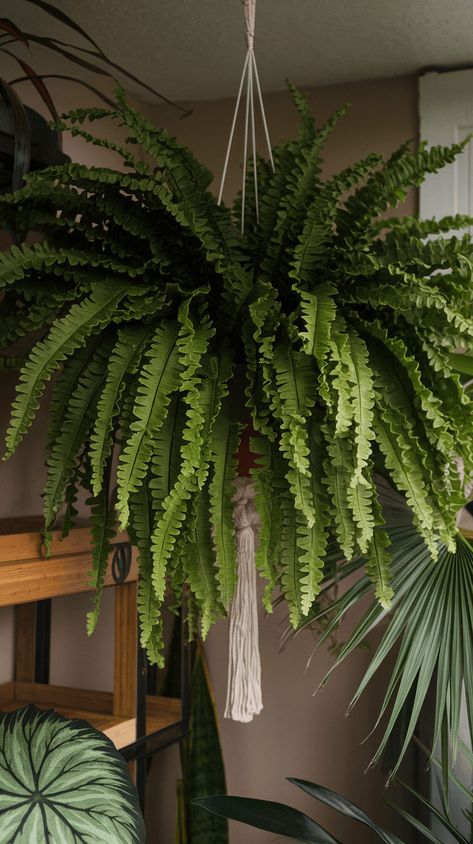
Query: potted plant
pixel 153 309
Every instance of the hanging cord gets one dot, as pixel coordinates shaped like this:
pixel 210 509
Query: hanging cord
pixel 249 76
pixel 244 699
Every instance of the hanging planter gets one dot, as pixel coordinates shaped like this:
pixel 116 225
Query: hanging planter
pixel 168 318
pixel 149 297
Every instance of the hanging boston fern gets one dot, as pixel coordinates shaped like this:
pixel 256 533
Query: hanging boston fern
pixel 160 321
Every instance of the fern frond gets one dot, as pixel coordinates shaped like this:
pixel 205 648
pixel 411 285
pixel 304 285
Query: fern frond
pixel 313 541
pixel 402 464
pixel 291 584
pixel 293 400
pixel 338 472
pixel 225 441
pixel 78 418
pixel 378 560
pixel 199 562
pixel 102 522
pixel 318 310
pixel 65 336
pixel 204 406
pixel 263 478
pixel 159 378
pixel 123 362
pixel 149 608
pixel 362 403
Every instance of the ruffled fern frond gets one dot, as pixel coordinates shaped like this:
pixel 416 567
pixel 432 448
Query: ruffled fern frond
pixel 102 520
pixel 225 442
pixel 124 360
pixel 66 335
pixel 158 379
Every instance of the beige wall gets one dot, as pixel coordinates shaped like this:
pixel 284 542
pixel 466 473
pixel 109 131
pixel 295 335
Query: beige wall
pixel 382 114
pixel 296 735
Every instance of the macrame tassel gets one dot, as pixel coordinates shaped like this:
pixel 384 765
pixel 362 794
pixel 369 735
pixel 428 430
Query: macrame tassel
pixel 244 665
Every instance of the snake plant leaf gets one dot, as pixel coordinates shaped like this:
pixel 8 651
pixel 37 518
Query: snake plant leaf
pixel 202 758
pixel 62 780
pixel 270 816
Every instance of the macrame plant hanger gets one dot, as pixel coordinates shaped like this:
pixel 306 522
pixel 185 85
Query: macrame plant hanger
pixel 244 698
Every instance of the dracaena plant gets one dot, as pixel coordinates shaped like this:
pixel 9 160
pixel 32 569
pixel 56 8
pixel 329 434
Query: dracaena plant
pixel 293 824
pixel 88 55
pixel 160 320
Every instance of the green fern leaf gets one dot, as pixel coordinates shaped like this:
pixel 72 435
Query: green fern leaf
pixel 263 478
pixel 159 378
pixel 292 403
pixel 318 313
pixel 378 561
pixel 199 562
pixel 204 406
pixel 123 361
pixel 289 561
pixel 149 608
pixel 313 541
pixel 78 419
pixel 103 529
pixel 66 335
pixel 401 461
pixel 338 472
pixel 362 403
pixel 225 441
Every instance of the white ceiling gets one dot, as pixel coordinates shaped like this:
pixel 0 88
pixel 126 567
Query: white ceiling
pixel 193 49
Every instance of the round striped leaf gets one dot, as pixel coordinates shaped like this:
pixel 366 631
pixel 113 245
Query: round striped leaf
pixel 62 780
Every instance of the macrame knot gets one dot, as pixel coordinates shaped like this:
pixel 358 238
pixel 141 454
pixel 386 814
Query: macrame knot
pixel 250 16
pixel 244 511
pixel 244 699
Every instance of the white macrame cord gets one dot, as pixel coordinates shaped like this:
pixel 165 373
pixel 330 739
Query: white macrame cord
pixel 251 76
pixel 244 699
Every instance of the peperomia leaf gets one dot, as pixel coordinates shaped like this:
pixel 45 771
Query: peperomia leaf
pixel 62 780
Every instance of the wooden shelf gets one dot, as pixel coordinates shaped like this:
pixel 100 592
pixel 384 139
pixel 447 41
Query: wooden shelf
pixel 26 574
pixel 28 578
pixel 94 707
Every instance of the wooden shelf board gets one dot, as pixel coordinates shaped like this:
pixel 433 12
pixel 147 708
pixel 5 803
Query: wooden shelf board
pixel 91 706
pixel 27 576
